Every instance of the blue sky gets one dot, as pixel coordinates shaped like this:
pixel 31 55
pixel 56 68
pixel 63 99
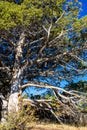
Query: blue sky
pixel 84 8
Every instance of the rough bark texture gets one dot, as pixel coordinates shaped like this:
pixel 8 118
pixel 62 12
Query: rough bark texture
pixel 17 70
pixel 13 103
pixel 16 77
pixel 3 109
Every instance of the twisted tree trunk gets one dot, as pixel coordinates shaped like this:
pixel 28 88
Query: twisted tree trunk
pixel 17 76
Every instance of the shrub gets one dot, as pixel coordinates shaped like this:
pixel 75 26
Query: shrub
pixel 19 120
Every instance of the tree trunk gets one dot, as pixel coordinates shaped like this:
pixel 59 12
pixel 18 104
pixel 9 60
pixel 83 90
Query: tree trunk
pixel 17 76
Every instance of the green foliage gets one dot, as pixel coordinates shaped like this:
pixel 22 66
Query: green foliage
pixel 79 86
pixel 25 96
pixel 80 24
pixel 47 96
pixel 12 14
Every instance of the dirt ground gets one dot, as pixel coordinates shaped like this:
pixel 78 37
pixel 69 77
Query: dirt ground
pixel 42 127
pixel 54 127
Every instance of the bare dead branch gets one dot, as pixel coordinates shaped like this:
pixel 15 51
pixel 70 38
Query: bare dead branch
pixel 48 86
pixel 5 68
pixel 48 30
pixel 35 41
pixel 60 17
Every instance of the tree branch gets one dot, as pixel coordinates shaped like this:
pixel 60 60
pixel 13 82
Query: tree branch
pixel 60 17
pixel 5 68
pixel 8 39
pixel 48 86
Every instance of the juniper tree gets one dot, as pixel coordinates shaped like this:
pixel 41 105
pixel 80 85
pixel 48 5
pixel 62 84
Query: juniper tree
pixel 42 39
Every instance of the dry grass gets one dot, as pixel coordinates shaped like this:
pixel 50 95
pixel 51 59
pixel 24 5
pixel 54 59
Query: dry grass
pixel 54 127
